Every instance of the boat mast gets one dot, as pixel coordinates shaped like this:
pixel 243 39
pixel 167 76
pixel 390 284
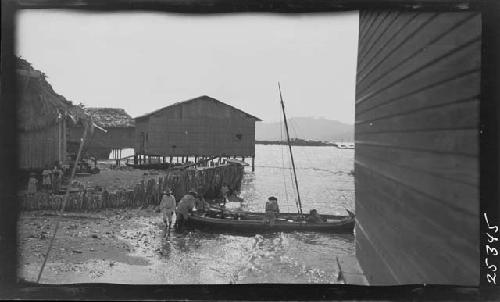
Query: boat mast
pixel 290 147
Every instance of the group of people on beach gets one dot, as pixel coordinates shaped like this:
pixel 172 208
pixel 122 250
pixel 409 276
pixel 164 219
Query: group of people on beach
pixel 51 180
pixel 193 200
pixel 168 206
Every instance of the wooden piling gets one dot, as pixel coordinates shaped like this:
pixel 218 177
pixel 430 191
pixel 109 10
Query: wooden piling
pixel 253 163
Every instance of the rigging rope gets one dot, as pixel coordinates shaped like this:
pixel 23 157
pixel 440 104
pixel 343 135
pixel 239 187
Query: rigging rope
pixel 309 162
pixel 283 158
pixel 290 147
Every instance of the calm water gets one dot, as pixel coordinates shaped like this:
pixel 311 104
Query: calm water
pixel 325 184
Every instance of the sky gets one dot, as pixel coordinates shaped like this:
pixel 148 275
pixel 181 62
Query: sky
pixel 145 61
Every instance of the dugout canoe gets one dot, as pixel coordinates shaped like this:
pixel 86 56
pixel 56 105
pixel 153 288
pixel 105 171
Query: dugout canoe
pixel 254 223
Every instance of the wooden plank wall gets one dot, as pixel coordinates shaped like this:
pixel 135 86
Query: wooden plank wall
pixel 39 148
pixel 114 138
pixel 198 128
pixel 416 160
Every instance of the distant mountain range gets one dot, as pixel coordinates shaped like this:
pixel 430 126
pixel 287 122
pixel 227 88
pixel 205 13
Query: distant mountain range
pixel 307 128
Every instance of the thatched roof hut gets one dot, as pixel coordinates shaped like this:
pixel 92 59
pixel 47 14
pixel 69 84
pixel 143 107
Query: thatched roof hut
pixel 111 117
pixel 39 106
pixel 43 116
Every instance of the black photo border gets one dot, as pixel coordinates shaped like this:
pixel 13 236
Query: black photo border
pixel 12 287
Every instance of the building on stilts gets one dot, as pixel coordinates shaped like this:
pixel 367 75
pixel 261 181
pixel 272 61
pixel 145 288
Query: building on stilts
pixel 202 131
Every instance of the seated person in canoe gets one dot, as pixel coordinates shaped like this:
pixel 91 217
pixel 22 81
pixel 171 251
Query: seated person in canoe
pixel 201 204
pixel 272 209
pixel 314 217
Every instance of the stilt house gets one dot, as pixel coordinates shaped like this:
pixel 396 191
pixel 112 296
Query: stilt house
pixel 119 133
pixel 199 127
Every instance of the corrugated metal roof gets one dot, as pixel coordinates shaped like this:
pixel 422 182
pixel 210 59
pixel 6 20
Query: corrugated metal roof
pixel 200 98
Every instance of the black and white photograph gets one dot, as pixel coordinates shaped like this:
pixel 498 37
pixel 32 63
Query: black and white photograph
pixel 331 148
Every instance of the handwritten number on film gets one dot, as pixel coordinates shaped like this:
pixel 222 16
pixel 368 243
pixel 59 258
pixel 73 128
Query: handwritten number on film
pixel 491 251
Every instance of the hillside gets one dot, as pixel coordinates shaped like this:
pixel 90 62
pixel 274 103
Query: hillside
pixel 308 128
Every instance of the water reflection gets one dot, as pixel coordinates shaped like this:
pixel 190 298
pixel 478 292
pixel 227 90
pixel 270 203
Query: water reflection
pixel 278 257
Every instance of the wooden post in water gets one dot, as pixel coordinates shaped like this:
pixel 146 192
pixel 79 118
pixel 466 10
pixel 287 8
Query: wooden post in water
pixel 253 163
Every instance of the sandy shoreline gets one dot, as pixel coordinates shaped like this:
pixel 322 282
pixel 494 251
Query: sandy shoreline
pixel 90 247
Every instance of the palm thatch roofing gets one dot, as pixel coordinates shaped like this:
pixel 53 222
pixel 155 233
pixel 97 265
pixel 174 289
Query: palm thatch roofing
pixel 39 106
pixel 111 117
pixel 203 98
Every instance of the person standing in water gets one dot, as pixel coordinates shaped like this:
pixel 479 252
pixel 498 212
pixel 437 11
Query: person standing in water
pixel 185 206
pixel 167 207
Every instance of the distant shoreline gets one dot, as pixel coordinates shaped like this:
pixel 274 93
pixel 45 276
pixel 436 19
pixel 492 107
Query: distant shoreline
pixel 296 142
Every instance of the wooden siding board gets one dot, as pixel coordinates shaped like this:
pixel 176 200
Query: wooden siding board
pixel 373 32
pixel 368 22
pixel 438 217
pixel 402 262
pixel 38 149
pixel 436 38
pixel 364 16
pixel 453 167
pixel 114 138
pixel 407 227
pixel 466 59
pixel 407 24
pixel 451 193
pixel 416 158
pixel 459 141
pixel 454 90
pixel 376 54
pixel 378 40
pixel 373 261
pixel 461 115
pixel 213 133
